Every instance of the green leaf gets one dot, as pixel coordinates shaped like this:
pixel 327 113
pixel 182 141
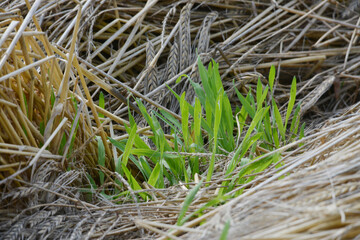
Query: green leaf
pixel 62 144
pixel 276 137
pixel 302 133
pixel 52 98
pixel 133 183
pixel 205 79
pixel 186 204
pixel 160 136
pixel 145 165
pixel 101 103
pixel 121 146
pixel 209 113
pixel 41 128
pixel 258 117
pixel 267 125
pixel 242 116
pixel 131 118
pixel 271 77
pixel 259 94
pixel 218 114
pixel 129 145
pixel 212 203
pixel 278 120
pixel 276 159
pixel 173 92
pixel 165 119
pixel 139 143
pixel 92 181
pixel 184 120
pixel 155 175
pixel 145 113
pixel 172 119
pixel 101 157
pixel 178 79
pixel 255 164
pixel 246 103
pixel 145 152
pixel 225 231
pixel 218 111
pixel 291 101
pixel 73 99
pixel 227 125
pixel 160 183
pixel 240 152
pixel 263 97
pixel 199 92
pixel 296 120
pixel 217 79
pixel 197 123
pixel 73 137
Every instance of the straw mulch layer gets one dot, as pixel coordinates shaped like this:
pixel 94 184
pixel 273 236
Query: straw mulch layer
pixel 320 200
pixel 56 57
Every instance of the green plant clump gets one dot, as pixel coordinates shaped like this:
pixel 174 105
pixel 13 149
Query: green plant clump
pixel 209 125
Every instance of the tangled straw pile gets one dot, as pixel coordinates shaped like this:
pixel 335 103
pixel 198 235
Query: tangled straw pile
pixel 55 57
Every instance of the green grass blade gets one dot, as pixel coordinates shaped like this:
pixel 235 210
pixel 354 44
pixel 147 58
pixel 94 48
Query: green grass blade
pixel 199 92
pixel 217 78
pixel 145 165
pixel 213 202
pixel 278 120
pixel 291 101
pixel 101 157
pixel 267 127
pixel 197 123
pixel 187 202
pixel 255 164
pixel 209 113
pixel 121 146
pixel 242 116
pixel 218 111
pixel 271 77
pixel 129 145
pixel 160 136
pixel 202 71
pixel 101 103
pixel 218 114
pixel 259 94
pixel 133 183
pixel 170 120
pixel 52 98
pixel 258 117
pixel 173 92
pixel 225 231
pixel 92 181
pixel 145 114
pixel 139 143
pixel 264 95
pixel 155 175
pixel 276 137
pixel 302 132
pixel 184 120
pixel 295 121
pixel 246 103
pixel 62 144
pixel 207 84
pixel 41 128
pixel 227 125
pixel 211 80
pixel 240 152
pixel 131 118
